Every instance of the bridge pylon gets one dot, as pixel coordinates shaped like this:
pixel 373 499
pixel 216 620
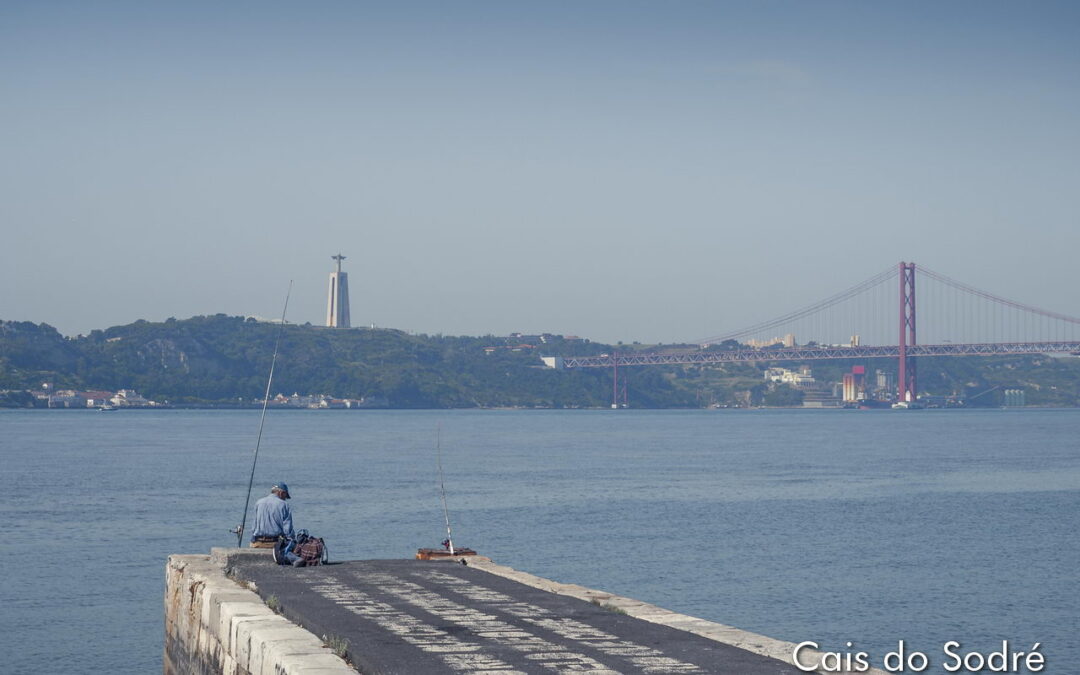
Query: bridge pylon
pixel 907 386
pixel 618 386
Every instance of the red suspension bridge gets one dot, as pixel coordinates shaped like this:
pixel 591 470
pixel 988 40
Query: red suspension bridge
pixel 963 321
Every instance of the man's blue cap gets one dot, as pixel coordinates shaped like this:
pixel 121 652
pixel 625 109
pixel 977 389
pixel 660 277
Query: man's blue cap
pixel 281 486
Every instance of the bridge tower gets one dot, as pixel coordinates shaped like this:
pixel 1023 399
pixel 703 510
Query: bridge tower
pixel 906 382
pixel 618 387
pixel 615 379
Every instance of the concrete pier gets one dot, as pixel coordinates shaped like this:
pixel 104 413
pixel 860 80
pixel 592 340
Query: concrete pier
pixel 215 625
pixel 410 616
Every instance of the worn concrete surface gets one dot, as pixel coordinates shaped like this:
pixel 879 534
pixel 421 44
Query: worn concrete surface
pixel 736 637
pixel 407 616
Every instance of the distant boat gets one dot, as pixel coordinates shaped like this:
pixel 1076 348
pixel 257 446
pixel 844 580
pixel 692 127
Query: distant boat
pixel 872 404
pixel 107 408
pixel 907 405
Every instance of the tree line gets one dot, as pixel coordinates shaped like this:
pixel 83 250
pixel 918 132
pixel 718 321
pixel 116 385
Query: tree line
pixel 219 358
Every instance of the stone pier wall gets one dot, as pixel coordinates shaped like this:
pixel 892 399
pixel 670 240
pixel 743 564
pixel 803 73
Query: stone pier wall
pixel 215 626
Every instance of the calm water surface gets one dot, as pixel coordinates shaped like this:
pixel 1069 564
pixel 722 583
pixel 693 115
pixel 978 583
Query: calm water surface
pixel 861 526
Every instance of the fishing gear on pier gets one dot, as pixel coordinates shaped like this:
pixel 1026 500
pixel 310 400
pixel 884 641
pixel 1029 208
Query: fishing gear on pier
pixel 239 531
pixel 448 550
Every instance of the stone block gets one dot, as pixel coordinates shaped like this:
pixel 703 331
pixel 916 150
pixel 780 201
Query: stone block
pixel 243 641
pixel 323 664
pixel 229 613
pixel 261 640
pixel 283 653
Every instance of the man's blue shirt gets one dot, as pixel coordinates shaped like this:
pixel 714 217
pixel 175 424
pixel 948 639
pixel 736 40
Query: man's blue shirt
pixel 272 517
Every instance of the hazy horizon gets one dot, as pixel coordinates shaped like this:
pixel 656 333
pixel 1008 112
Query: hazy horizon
pixel 654 172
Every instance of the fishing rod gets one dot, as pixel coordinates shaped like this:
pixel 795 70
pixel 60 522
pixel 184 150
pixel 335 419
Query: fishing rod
pixel 442 488
pixel 262 420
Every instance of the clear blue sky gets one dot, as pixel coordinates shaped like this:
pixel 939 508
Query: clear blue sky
pixel 657 171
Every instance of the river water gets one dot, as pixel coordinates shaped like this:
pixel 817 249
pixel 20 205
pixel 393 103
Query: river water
pixel 867 527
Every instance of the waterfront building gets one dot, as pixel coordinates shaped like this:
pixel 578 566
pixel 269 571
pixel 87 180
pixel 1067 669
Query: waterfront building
pixel 67 398
pixel 849 388
pixel 885 382
pixel 799 379
pixel 337 302
pixel 854 384
pixel 820 396
pixel 129 398
pixel 97 399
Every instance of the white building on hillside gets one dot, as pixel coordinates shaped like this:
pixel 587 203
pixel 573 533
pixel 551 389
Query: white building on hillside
pixel 129 398
pixel 802 377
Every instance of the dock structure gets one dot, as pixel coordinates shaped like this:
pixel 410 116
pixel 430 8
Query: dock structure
pixel 414 616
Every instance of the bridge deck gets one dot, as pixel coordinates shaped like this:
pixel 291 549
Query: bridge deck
pixel 812 354
pixel 406 616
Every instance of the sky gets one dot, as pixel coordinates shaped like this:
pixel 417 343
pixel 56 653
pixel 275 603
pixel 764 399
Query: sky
pixel 634 171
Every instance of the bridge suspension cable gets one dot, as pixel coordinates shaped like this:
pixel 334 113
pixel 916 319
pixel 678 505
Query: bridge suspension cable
pixel 876 280
pixel 995 298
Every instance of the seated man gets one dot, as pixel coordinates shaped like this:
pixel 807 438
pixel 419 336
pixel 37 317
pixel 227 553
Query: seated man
pixel 273 519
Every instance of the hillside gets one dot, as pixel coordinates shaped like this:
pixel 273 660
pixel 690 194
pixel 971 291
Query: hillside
pixel 222 359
